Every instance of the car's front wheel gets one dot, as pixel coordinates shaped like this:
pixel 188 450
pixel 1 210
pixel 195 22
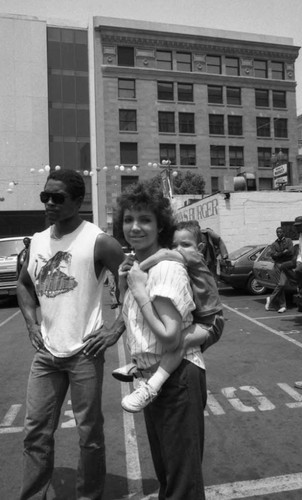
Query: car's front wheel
pixel 253 286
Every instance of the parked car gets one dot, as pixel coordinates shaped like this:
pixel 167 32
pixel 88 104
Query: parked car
pixel 237 270
pixel 9 250
pixel 265 273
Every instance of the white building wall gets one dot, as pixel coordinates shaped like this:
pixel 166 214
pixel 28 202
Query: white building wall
pixel 23 111
pixel 246 217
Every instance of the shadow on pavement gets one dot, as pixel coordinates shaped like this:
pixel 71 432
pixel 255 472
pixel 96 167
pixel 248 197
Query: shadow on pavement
pixel 64 480
pixel 7 302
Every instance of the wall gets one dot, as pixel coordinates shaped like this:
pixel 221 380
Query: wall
pixel 24 111
pixel 246 217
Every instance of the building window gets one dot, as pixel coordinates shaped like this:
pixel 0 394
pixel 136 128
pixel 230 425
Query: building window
pixel 216 124
pixel 125 56
pixel 263 127
pixel 185 92
pixel 261 98
pixel 233 95
pixel 280 127
pixel 277 70
pixel 265 184
pixel 214 64
pixel 236 156
pixel 232 66
pixel 127 119
pixel 187 154
pixel 126 88
pixel 214 184
pixel 215 94
pixel 165 91
pixel 260 68
pixel 186 123
pixel 128 180
pixel 279 99
pixel 166 121
pixel 234 125
pixel 183 61
pixel 264 157
pixel 217 156
pixel 167 152
pixel 68 97
pixel 285 153
pixel 128 153
pixel 163 59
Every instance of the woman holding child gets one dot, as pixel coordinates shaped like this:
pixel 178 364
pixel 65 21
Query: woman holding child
pixel 157 308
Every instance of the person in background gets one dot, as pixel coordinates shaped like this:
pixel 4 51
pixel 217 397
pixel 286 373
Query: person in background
pixel 282 254
pixel 65 269
pixel 22 255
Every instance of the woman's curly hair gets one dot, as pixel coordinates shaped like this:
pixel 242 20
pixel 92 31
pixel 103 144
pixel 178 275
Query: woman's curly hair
pixel 144 195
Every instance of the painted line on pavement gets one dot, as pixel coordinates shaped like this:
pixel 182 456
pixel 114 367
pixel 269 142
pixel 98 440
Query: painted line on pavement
pixel 257 487
pixel 9 318
pixel 134 474
pixel 262 325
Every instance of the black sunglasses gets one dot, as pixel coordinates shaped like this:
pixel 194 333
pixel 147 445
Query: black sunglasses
pixel 57 198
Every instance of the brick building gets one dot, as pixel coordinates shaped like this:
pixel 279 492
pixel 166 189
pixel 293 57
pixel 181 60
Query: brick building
pixel 126 95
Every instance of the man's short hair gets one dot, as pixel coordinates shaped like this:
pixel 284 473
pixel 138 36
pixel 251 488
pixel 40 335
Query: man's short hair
pixel 73 181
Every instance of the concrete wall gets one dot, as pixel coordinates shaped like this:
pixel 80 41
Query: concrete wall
pixel 246 217
pixel 23 111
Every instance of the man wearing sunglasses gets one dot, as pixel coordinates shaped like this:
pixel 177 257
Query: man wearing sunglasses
pixel 64 272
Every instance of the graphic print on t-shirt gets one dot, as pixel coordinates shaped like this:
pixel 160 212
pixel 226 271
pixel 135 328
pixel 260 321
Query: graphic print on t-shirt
pixel 52 279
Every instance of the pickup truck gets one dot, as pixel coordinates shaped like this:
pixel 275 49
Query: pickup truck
pixel 9 250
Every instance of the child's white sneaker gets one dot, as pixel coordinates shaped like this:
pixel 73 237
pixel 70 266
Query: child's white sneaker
pixel 140 398
pixel 125 373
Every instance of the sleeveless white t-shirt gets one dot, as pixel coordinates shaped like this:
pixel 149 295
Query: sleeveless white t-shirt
pixel 68 290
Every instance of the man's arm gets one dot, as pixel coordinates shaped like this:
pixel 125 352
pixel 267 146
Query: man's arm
pixel 28 304
pixel 109 254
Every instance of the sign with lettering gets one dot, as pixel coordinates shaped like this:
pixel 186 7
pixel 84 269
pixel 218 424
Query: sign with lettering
pixel 199 211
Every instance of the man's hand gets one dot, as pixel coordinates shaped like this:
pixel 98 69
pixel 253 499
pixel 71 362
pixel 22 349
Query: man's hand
pixel 35 336
pixel 100 340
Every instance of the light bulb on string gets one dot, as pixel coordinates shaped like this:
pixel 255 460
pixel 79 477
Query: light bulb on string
pixel 57 167
pixel 47 168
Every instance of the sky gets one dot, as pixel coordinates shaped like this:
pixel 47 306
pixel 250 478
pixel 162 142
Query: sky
pixel 267 17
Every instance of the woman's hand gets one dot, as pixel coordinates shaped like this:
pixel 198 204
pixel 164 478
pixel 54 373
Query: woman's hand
pixel 136 281
pixel 123 270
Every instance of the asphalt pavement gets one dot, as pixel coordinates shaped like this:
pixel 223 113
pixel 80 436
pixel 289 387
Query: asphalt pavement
pixel 253 417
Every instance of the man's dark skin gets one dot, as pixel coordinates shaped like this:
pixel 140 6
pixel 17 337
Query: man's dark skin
pixel 107 253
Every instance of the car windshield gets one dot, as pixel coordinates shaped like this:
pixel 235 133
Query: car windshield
pixel 241 251
pixel 10 248
pixel 266 254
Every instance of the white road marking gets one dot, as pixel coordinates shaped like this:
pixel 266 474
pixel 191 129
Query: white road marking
pixel 213 405
pixel 257 487
pixel 268 328
pixel 294 394
pixel 134 474
pixel 9 318
pixel 10 416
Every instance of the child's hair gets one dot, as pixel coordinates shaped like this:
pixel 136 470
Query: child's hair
pixel 144 195
pixel 193 227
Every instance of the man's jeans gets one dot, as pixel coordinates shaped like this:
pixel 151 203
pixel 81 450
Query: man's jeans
pixel 48 382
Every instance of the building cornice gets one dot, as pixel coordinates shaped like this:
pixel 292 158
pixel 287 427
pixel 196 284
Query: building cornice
pixel 201 44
